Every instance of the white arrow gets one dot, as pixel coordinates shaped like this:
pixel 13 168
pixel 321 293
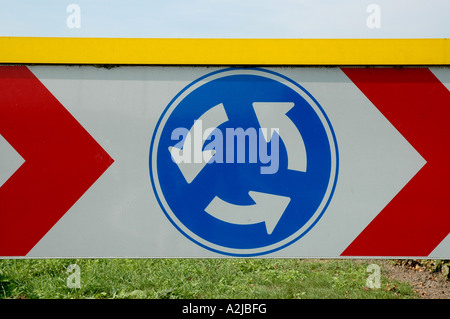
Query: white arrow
pixel 211 119
pixel 268 208
pixel 272 115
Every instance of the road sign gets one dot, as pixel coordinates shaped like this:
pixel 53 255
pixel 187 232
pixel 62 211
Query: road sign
pixel 151 161
pixel 253 194
pixel 61 160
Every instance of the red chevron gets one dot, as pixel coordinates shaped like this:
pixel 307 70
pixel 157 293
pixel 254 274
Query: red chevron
pixel 418 218
pixel 61 160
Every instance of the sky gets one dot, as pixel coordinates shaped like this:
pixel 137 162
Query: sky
pixel 226 18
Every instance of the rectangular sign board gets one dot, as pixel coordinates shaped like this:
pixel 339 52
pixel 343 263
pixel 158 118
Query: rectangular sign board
pixel 180 161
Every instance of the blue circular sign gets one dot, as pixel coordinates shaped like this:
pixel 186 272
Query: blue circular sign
pixel 244 161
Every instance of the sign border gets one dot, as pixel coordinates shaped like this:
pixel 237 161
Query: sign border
pixel 199 51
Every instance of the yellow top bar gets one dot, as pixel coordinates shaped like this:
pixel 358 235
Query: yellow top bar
pixel 225 51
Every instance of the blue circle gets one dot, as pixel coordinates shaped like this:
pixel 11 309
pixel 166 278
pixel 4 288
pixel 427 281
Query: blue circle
pixel 310 192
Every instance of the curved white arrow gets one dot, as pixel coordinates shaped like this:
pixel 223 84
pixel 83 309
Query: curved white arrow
pixel 272 115
pixel 211 119
pixel 268 208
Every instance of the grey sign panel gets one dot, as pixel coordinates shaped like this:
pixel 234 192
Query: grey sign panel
pixel 216 162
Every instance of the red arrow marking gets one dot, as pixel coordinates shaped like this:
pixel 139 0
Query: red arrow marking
pixel 418 106
pixel 61 160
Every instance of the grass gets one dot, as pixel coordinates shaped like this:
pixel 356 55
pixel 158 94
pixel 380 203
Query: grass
pixel 195 279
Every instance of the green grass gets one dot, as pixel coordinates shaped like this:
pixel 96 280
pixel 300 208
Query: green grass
pixel 195 279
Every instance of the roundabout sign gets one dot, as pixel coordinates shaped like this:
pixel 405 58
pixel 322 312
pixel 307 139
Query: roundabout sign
pixel 244 161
